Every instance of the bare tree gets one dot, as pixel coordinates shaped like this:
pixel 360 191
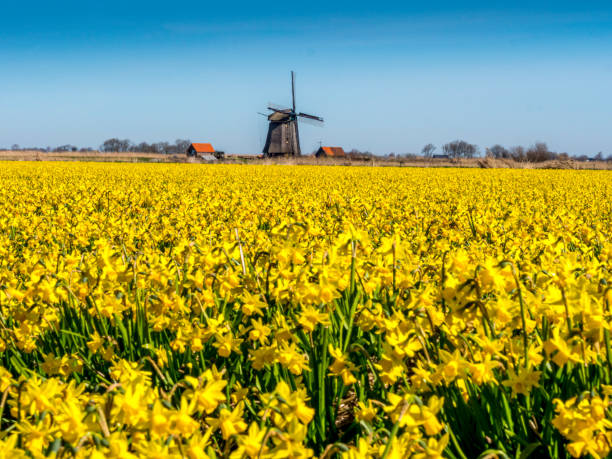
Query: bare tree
pixel 428 150
pixel 539 152
pixel 161 147
pixel 359 155
pixel 182 145
pixel 143 147
pixel 517 153
pixel 110 145
pixel 124 145
pixel 497 151
pixel 66 147
pixel 115 144
pixel 460 149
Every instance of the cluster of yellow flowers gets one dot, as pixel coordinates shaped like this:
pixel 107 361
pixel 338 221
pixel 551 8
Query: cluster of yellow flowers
pixel 251 311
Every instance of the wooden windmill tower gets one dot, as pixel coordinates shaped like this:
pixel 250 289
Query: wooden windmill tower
pixel 283 135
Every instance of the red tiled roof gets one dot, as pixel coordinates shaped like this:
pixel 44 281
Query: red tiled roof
pixel 203 147
pixel 334 151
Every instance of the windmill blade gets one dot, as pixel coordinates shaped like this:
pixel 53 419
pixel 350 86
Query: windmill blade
pixel 293 90
pixel 313 122
pixel 312 117
pixel 277 108
pixel 286 112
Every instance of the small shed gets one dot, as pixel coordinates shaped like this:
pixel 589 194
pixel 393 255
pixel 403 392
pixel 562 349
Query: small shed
pixel 202 150
pixel 440 157
pixel 330 152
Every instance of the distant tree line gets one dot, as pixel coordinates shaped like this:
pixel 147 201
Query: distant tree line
pixel 357 155
pixel 124 145
pixel 66 147
pixel 118 145
pixel 537 152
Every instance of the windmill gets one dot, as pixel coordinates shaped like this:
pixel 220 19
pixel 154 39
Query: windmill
pixel 283 135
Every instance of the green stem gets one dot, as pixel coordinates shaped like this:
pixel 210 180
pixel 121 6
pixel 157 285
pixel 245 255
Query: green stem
pixel 523 320
pixel 394 431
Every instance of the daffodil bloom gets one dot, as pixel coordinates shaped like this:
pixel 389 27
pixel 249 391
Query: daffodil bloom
pixel 229 422
pixel 290 357
pixel 226 344
pixel 433 448
pixel 252 304
pixel 206 392
pixel 365 412
pixel 251 444
pixel 585 425
pixel 181 422
pixel 561 351
pixel 342 366
pixel 523 381
pixel 260 331
pixel 310 317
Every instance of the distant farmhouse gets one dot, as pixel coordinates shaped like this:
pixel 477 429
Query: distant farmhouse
pixel 440 157
pixel 202 150
pixel 330 152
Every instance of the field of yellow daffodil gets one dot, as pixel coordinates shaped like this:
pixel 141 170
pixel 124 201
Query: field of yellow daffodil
pixel 250 311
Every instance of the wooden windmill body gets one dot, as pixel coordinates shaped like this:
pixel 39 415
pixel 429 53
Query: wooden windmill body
pixel 283 134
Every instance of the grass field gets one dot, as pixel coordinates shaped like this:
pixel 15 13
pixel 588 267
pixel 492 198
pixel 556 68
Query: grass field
pixel 183 310
pixel 93 156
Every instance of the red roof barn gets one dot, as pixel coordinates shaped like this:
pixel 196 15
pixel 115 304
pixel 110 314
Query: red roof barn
pixel 202 150
pixel 330 152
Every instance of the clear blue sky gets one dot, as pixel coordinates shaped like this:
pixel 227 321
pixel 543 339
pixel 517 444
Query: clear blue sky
pixel 386 76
